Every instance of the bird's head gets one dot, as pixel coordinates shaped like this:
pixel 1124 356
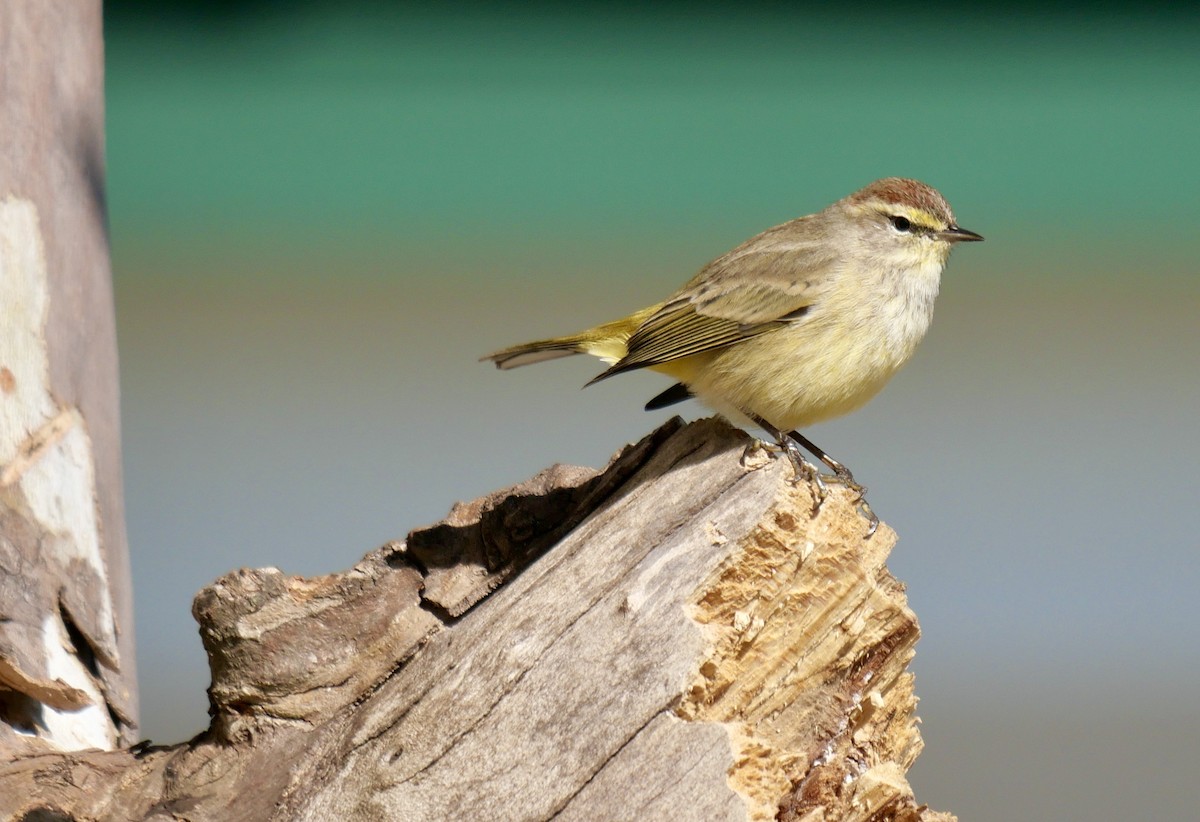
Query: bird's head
pixel 903 221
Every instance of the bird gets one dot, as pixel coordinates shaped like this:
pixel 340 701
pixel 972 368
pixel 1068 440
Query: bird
pixel 801 323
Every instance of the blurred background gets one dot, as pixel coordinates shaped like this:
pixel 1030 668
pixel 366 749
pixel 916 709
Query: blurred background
pixel 322 213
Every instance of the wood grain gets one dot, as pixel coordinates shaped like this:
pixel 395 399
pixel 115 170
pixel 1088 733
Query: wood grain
pixel 675 637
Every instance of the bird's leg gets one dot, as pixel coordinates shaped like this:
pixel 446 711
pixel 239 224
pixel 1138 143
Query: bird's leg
pixel 790 444
pixel 840 472
pixel 805 470
pixel 841 475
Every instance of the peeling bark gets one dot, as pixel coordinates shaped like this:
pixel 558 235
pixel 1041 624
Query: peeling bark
pixel 67 676
pixel 679 636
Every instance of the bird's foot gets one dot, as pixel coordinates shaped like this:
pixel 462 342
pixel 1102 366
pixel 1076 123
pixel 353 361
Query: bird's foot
pixel 757 454
pixel 842 476
pixel 807 473
pixel 864 508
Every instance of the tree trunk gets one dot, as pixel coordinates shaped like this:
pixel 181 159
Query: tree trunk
pixel 678 637
pixel 67 677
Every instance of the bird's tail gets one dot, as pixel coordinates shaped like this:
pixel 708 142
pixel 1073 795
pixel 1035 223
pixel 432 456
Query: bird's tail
pixel 604 341
pixel 537 351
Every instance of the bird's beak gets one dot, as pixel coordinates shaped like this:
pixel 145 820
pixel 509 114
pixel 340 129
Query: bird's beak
pixel 954 234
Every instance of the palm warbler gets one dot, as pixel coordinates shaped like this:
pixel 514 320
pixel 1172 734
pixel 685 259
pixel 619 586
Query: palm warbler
pixel 802 323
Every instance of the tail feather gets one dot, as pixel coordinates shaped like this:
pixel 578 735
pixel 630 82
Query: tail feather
pixel 606 342
pixel 536 351
pixel 676 393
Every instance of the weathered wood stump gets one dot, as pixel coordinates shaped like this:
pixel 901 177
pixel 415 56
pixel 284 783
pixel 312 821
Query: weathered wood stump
pixel 678 636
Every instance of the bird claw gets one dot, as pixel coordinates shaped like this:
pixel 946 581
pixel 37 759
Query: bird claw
pixel 864 509
pixel 807 472
pixel 843 477
pixel 749 459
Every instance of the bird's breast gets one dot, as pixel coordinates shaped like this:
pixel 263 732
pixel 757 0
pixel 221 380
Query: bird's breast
pixel 831 362
pixel 904 308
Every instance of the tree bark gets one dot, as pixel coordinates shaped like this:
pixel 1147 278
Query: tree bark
pixel 679 636
pixel 67 677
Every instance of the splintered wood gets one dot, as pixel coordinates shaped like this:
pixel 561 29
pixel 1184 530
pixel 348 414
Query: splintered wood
pixel 809 637
pixel 676 637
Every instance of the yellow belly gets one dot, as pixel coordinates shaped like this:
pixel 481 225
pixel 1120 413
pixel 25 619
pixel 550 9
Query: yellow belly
pixel 790 378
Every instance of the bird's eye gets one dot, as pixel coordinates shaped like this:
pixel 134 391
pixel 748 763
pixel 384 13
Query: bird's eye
pixel 901 224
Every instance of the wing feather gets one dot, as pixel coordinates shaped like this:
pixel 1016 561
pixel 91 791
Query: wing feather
pixel 765 284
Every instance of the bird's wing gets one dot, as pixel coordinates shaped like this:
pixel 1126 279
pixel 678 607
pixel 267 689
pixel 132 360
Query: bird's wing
pixel 756 288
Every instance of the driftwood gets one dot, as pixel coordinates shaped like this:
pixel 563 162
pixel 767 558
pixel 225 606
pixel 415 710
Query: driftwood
pixel 67 677
pixel 675 637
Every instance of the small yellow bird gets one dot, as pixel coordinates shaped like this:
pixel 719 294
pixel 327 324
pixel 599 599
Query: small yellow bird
pixel 804 322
